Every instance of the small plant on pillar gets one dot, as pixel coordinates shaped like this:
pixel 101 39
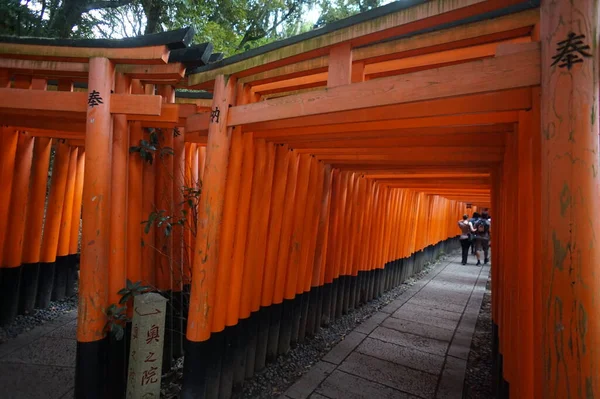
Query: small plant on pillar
pixel 147 148
pixel 117 313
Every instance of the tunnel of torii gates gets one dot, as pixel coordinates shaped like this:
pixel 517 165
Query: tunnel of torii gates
pixel 333 165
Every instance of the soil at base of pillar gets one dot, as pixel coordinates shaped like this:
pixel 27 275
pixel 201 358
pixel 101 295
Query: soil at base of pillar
pixel 479 375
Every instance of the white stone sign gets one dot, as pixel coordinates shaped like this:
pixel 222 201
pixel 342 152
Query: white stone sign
pixel 147 340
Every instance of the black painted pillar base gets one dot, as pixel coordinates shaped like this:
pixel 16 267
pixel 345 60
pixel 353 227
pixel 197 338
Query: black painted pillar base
pixel 297 315
pixel 178 320
pixel 352 295
pixel 72 266
pixel 61 272
pixel 334 298
pixel 252 328
pixel 195 365
pixel 187 288
pixel 285 330
pixel 90 370
pixel 9 294
pixel 264 320
pixel 312 314
pixel 303 316
pixel 228 363
pixel 339 302
pixel 239 359
pixel 320 308
pixel 116 368
pixel 360 292
pixel 347 290
pixel 45 284
pixel 274 330
pixel 495 360
pixel 213 364
pixel 326 305
pixel 29 284
pixel 167 362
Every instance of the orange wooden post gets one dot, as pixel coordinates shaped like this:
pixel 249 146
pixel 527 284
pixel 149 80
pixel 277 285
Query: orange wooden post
pixel 119 184
pixel 93 286
pixel 32 242
pixel 525 243
pixel 537 240
pixel 332 243
pixel 283 275
pixel 229 283
pixel 256 249
pixel 320 251
pixel 135 192
pixel 52 226
pixel 180 261
pixel 118 236
pixel 282 158
pixel 239 306
pixel 291 318
pixel 8 152
pixel 61 271
pixel 11 261
pixel 149 250
pixel 75 223
pixel 570 199
pixel 278 202
pixel 210 217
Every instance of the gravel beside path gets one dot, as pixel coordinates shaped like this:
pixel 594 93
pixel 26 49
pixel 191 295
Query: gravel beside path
pixel 478 381
pixel 24 323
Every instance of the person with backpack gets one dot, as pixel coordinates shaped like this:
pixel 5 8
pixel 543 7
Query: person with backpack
pixel 473 222
pixel 466 233
pixel 482 239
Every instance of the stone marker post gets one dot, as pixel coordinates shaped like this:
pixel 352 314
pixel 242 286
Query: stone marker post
pixel 147 339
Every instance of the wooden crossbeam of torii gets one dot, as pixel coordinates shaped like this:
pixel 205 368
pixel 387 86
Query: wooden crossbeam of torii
pixel 512 71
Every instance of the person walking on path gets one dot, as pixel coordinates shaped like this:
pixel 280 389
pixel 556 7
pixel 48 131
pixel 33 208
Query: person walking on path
pixel 486 221
pixel 482 240
pixel 466 231
pixel 473 222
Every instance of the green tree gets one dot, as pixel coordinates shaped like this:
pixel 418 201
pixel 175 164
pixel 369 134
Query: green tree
pixel 334 10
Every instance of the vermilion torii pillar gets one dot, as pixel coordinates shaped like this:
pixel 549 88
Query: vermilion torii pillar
pixel 90 379
pixel 570 200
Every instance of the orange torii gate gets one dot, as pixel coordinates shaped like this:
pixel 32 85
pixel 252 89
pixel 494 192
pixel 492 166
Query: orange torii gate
pixel 410 93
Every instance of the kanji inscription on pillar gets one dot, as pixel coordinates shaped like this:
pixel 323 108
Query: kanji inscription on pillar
pixel 94 99
pixel 147 340
pixel 571 51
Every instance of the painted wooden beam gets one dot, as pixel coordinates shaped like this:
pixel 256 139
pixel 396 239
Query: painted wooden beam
pixel 58 101
pixel 509 26
pixel 483 119
pixel 498 73
pixel 390 25
pixel 138 55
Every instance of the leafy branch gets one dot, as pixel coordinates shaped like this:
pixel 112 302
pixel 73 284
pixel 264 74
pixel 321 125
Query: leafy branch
pixel 116 314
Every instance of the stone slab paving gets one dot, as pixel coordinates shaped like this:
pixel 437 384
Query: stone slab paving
pixel 40 364
pixel 415 347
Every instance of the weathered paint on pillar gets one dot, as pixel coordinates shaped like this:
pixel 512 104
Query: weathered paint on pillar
pixel 570 199
pixel 93 285
pixel 210 213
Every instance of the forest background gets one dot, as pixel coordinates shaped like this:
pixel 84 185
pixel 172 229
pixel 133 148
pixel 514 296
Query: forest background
pixel 232 26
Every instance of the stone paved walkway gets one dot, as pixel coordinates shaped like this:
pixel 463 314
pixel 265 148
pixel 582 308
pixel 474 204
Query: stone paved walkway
pixel 40 364
pixel 415 347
